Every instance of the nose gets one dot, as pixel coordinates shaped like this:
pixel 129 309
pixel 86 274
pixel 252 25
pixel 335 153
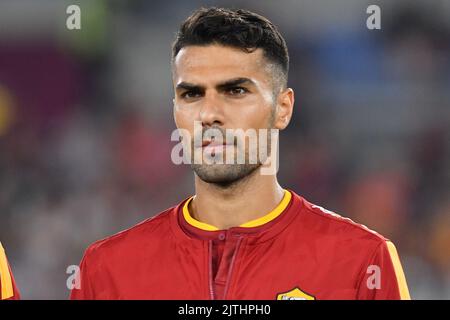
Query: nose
pixel 211 112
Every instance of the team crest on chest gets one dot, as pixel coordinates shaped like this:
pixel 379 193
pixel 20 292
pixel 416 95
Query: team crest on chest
pixel 295 294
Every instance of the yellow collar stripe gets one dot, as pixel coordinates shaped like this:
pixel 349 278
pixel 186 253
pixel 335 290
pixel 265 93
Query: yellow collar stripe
pixel 193 222
pixel 5 276
pixel 254 223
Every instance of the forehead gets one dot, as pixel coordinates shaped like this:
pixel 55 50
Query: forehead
pixel 216 62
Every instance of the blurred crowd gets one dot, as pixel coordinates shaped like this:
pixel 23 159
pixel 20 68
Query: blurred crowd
pixel 86 118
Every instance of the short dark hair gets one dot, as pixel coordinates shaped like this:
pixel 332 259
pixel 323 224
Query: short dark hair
pixel 237 28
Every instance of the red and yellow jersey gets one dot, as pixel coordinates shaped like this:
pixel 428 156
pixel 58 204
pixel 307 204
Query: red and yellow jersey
pixel 297 251
pixel 7 283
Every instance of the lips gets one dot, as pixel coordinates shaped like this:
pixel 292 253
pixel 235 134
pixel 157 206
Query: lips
pixel 212 143
pixel 214 147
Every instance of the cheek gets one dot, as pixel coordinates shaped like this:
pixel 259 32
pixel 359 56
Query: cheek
pixel 254 113
pixel 184 118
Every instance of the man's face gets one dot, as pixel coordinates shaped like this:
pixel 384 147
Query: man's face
pixel 224 88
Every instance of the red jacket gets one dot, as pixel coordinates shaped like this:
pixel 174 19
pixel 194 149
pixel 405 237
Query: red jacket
pixel 8 288
pixel 297 251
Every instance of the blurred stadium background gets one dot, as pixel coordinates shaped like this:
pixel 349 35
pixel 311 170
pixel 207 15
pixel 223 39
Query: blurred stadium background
pixel 86 117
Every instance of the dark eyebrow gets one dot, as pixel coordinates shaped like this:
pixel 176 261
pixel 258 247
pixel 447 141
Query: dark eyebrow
pixel 220 86
pixel 234 82
pixel 189 86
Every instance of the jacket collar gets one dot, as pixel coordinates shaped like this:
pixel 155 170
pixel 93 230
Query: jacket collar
pixel 258 230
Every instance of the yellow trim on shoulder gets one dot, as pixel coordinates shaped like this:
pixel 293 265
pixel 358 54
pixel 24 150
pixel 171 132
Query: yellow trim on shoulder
pixel 401 279
pixel 254 223
pixel 5 276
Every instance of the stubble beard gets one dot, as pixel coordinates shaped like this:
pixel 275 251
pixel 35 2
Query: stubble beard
pixel 227 175
pixel 224 175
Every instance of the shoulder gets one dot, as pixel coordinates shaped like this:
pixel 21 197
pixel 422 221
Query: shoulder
pixel 149 231
pixel 326 224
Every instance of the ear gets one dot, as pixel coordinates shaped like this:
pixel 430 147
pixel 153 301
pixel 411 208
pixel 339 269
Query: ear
pixel 284 108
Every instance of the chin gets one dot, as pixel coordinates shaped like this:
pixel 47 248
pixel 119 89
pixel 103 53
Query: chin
pixel 224 174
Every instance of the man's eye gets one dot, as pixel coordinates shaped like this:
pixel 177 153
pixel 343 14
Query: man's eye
pixel 190 94
pixel 235 91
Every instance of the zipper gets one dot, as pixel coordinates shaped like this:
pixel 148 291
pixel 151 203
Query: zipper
pixel 238 245
pixel 211 288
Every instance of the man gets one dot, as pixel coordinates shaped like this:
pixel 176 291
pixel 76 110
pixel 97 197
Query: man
pixel 241 236
pixel 7 284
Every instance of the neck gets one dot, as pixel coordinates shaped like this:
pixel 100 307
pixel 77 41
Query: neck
pixel 230 206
